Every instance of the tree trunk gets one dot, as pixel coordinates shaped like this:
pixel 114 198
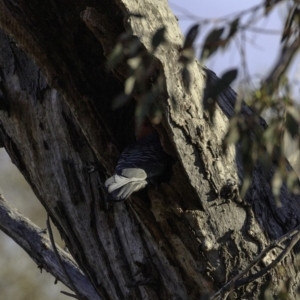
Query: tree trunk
pixel 173 242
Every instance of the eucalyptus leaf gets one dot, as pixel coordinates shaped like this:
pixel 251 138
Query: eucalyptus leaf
pixel 191 36
pixel 120 101
pixel 212 43
pixel 158 37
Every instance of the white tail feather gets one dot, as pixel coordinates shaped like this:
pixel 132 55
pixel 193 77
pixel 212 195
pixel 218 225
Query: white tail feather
pixel 131 180
pixel 134 172
pixel 131 187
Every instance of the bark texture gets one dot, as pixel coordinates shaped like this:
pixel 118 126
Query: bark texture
pixel 172 242
pixel 36 243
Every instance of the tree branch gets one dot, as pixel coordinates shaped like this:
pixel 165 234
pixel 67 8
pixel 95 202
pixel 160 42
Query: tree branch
pixel 60 262
pixel 36 243
pixel 237 282
pixel 288 52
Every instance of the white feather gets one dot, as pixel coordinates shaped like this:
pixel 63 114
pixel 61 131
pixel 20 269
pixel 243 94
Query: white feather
pixel 134 173
pixel 131 180
pixel 131 187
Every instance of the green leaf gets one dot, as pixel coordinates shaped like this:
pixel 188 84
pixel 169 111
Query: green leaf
pixel 129 85
pixel 187 56
pixel 246 185
pixel 156 115
pixel 233 135
pixel 191 36
pixel 233 28
pixel 120 101
pixel 277 182
pixel 294 112
pixel 270 136
pixel 209 105
pixel 134 62
pixel 115 57
pixel 212 43
pixel 228 77
pixel 158 37
pixel 186 77
pixel 287 31
pixel 222 84
pixel 292 123
pixel 268 6
pixel 143 108
pixel 293 182
pixel 134 47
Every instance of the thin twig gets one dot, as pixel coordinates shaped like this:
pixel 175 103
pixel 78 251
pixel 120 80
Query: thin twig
pixel 275 262
pixel 235 282
pixel 186 13
pixel 239 14
pixel 233 15
pixel 69 294
pixel 288 52
pixel 261 30
pixel 72 285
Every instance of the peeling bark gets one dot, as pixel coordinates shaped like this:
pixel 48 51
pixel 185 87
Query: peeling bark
pixel 172 242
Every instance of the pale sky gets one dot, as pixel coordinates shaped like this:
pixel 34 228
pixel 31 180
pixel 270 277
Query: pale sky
pixel 261 49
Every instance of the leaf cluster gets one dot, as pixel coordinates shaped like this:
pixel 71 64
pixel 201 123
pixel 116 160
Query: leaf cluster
pixel 143 80
pixel 261 145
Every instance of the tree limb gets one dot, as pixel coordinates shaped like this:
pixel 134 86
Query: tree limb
pixel 55 129
pixel 237 282
pixel 36 243
pixel 288 52
pixel 60 262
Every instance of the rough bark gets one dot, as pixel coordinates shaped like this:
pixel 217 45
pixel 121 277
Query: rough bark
pixel 36 243
pixel 173 242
